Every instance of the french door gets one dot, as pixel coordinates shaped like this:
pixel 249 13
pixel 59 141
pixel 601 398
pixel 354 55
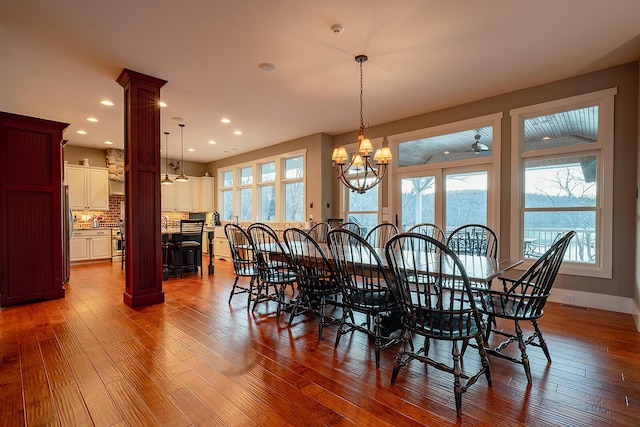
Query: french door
pixel 448 197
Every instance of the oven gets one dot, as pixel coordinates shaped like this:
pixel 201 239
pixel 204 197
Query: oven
pixel 116 245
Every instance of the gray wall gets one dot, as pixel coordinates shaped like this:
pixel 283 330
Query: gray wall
pixel 624 77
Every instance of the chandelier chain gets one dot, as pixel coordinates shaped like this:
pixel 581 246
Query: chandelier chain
pixel 361 93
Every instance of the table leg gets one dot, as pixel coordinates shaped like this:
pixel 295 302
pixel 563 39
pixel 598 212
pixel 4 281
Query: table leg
pixel 210 236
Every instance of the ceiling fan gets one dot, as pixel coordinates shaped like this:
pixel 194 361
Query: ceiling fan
pixel 477 146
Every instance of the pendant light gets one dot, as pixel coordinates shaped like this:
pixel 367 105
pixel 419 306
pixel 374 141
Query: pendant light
pixel 182 177
pixel 359 174
pixel 166 180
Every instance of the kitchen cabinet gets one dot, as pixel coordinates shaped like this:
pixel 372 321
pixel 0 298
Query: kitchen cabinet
pixel 196 196
pixel 88 245
pixel 31 220
pixel 177 196
pixel 221 248
pixel 88 187
pixel 207 194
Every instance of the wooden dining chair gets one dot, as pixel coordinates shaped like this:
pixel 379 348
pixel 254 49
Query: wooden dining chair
pixel 351 226
pixel 523 299
pixel 319 232
pixel 365 287
pixel 438 306
pixel 315 275
pixel 429 229
pixel 379 235
pixel 274 268
pixel 473 239
pixel 244 260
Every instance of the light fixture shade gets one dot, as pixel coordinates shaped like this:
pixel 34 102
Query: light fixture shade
pixel 365 146
pixel 166 180
pixel 357 161
pixel 383 155
pixel 340 155
pixel 182 178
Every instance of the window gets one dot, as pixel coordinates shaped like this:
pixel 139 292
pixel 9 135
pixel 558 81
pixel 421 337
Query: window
pixel 245 194
pixel 269 189
pixel 226 195
pixel 267 194
pixel 562 175
pixel 363 208
pixel 448 175
pixel 293 189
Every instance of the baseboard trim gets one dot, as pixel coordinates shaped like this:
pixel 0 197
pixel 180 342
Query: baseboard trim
pixel 599 301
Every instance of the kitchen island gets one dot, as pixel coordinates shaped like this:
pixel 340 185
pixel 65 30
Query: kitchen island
pixel 168 236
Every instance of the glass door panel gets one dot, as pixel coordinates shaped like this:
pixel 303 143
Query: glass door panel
pixel 465 199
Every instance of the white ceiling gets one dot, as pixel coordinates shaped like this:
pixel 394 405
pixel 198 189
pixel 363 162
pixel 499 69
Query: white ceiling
pixel 59 59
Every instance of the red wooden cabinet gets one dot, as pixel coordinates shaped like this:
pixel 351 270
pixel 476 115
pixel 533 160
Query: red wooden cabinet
pixel 31 218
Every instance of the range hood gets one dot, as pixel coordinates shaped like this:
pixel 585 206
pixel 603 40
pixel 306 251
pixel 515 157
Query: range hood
pixel 116 188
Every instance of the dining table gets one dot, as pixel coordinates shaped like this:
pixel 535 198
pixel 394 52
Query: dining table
pixel 478 268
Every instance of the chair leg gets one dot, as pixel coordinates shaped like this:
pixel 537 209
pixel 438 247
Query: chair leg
pixel 543 343
pixel 323 304
pixel 233 289
pixel 250 292
pixel 457 384
pixel 377 332
pixel 523 352
pixel 294 308
pixel 346 312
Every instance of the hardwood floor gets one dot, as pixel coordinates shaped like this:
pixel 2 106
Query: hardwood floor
pixel 89 359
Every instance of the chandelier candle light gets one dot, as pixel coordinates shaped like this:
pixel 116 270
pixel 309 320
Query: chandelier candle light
pixel 359 174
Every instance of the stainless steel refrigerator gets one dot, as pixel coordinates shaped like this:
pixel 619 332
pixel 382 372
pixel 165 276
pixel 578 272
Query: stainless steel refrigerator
pixel 67 232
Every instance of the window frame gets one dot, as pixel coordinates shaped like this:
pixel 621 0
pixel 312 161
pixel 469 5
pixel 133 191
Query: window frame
pixel 490 164
pixel 603 148
pixel 257 184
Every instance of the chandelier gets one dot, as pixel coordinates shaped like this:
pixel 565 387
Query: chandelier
pixel 359 174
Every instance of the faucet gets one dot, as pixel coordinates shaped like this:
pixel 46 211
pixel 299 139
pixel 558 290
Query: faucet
pixel 236 217
pixel 165 222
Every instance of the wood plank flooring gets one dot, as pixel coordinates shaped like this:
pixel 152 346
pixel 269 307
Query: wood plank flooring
pixel 89 359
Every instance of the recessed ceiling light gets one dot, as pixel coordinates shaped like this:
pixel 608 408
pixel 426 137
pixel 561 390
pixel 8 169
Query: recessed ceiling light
pixel 225 120
pixel 81 132
pixel 546 138
pixel 212 142
pixel 191 150
pixel 162 104
pixel 92 119
pixel 237 132
pixel 267 67
pixel 108 142
pixel 107 103
pixel 447 152
pixel 177 119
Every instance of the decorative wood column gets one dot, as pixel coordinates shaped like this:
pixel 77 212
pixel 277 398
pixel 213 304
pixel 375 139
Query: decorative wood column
pixel 143 240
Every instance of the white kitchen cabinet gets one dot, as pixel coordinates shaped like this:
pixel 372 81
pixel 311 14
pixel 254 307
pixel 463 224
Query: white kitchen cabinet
pixel 183 196
pixel 88 245
pixel 177 196
pixel 221 245
pixel 196 196
pixel 168 196
pixel 207 194
pixel 88 187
